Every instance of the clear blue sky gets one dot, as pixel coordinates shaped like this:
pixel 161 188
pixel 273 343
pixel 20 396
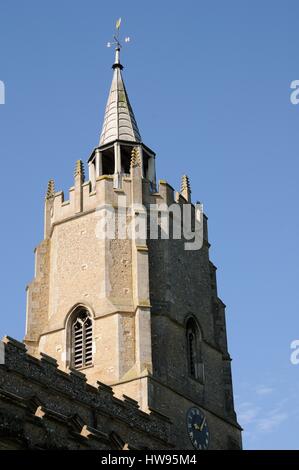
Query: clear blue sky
pixel 209 82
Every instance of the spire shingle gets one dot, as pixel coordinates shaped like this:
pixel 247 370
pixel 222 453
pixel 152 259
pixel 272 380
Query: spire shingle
pixel 119 120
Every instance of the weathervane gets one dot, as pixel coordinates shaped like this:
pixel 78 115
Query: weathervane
pixel 116 41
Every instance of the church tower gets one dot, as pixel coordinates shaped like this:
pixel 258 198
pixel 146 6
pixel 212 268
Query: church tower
pixel 138 313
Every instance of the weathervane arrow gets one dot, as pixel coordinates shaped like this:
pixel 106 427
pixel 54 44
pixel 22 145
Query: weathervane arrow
pixel 116 41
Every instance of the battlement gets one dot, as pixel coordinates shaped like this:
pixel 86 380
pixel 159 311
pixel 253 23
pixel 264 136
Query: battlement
pixel 89 196
pixel 45 407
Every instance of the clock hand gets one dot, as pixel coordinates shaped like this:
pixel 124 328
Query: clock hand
pixel 202 424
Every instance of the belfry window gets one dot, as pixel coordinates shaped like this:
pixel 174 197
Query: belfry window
pixel 82 340
pixel 194 353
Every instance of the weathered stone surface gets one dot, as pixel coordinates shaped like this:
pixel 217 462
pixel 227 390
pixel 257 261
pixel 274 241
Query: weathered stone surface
pixel 45 408
pixel 140 294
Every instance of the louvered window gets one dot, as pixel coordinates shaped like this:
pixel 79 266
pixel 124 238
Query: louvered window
pixel 82 340
pixel 194 351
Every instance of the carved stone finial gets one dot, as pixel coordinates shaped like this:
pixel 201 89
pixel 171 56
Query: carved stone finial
pixel 185 183
pixel 50 190
pixel 79 169
pixel 185 188
pixel 135 157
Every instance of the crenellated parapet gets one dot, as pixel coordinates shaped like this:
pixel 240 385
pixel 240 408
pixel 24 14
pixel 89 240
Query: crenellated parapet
pixel 87 196
pixel 44 407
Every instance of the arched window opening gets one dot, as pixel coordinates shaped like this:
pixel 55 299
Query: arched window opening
pixel 192 353
pixel 195 364
pixel 82 340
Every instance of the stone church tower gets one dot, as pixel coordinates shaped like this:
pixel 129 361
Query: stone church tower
pixel 141 315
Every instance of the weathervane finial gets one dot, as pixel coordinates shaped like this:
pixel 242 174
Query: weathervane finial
pixel 117 44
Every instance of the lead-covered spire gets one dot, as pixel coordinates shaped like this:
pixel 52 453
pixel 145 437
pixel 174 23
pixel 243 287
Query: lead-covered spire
pixel 119 120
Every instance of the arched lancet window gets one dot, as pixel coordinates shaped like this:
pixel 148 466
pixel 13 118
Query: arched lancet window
pixel 195 364
pixel 81 339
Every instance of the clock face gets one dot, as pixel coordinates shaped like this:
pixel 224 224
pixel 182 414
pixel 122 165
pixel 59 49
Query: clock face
pixel 197 427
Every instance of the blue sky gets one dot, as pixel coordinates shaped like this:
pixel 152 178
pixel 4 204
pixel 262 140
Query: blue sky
pixel 209 82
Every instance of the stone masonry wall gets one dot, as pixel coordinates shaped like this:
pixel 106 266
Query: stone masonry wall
pixel 42 407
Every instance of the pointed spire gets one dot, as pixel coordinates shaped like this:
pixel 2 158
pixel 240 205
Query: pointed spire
pixel 50 189
pixel 185 188
pixel 119 120
pixel 79 170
